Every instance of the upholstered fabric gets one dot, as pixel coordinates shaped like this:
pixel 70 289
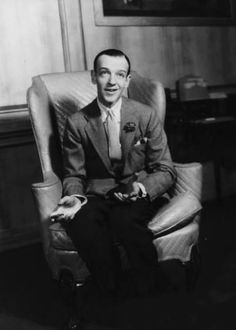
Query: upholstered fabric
pixel 60 260
pixel 175 215
pixel 178 244
pixel 189 179
pixel 148 91
pixel 59 238
pixel 67 94
pixel 46 195
pixel 51 98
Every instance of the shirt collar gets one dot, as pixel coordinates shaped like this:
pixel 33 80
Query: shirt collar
pixel 115 109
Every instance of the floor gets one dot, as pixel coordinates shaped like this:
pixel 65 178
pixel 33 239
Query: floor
pixel 30 299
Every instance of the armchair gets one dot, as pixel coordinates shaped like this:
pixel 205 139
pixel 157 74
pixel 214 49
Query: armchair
pixel 51 98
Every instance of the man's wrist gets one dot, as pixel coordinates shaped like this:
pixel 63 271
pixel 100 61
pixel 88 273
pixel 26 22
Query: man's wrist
pixel 83 199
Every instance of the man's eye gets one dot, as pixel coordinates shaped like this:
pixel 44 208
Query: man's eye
pixel 103 73
pixel 121 75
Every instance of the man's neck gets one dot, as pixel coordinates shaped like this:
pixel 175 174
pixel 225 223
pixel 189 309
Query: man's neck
pixel 115 109
pixel 110 106
pixel 114 106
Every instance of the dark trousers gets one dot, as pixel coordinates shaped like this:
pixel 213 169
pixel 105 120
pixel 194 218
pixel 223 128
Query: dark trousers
pixel 99 223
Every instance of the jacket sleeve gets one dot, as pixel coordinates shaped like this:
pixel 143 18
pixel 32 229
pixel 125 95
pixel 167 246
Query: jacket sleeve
pixel 73 161
pixel 159 174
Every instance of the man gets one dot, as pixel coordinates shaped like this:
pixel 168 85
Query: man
pixel 116 165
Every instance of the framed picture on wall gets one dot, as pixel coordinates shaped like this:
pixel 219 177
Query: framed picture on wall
pixel 165 12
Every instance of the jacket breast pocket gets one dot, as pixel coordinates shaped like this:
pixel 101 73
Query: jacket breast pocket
pixel 137 157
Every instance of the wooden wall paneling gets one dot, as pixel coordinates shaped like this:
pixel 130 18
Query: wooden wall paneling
pixel 95 39
pixel 72 35
pixel 30 43
pixel 15 127
pixel 211 52
pixel 186 46
pixel 229 54
pixel 208 50
pixel 19 167
pixel 64 34
pixel 150 48
pixel 196 50
pixel 173 57
pixel 166 52
pixel 232 36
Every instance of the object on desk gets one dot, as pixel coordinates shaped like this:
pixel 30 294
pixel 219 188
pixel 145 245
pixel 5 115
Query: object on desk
pixel 217 95
pixel 191 88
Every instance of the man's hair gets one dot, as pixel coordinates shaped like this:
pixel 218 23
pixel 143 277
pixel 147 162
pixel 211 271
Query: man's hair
pixel 114 53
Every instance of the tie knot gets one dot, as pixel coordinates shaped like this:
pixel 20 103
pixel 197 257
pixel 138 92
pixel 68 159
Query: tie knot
pixel 111 114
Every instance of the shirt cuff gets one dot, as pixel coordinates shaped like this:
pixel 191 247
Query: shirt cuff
pixel 142 190
pixel 82 198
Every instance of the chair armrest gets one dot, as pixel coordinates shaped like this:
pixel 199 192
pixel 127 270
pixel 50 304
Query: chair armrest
pixel 189 178
pixel 179 211
pixel 46 195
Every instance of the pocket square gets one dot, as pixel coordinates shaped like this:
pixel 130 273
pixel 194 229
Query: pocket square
pixel 143 140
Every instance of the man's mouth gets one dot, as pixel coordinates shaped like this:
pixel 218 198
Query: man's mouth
pixel 111 90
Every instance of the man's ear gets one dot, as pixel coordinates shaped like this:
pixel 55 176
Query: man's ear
pixel 93 77
pixel 127 81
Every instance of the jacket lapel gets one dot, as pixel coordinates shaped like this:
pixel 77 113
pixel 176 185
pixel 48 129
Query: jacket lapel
pixel 127 137
pixel 96 133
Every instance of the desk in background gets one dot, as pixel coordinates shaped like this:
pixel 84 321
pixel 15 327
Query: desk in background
pixel 203 130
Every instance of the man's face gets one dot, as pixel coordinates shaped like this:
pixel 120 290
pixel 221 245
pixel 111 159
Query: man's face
pixel 111 78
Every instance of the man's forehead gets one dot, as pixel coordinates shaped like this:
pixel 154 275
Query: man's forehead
pixel 114 62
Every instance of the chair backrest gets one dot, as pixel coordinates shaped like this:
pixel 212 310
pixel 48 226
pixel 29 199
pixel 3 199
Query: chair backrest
pixel 52 97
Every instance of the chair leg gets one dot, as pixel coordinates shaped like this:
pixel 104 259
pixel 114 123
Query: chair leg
pixel 192 269
pixel 70 292
pixel 176 275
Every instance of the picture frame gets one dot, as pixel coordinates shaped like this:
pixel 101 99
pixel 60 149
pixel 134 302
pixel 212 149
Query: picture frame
pixel 164 12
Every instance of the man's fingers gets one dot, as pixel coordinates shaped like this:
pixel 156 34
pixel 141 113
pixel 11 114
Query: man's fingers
pixel 133 198
pixel 60 218
pixel 64 200
pixel 122 197
pixel 67 217
pixel 118 196
pixel 56 215
pixel 67 201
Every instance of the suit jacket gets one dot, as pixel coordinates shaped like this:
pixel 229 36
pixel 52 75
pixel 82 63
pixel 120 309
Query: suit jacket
pixel 145 153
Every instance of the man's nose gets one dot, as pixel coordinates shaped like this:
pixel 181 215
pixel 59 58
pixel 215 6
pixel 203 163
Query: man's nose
pixel 112 79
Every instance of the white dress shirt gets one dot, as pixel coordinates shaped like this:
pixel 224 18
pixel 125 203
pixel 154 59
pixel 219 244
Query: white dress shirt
pixel 115 109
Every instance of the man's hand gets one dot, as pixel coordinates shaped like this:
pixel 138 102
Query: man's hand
pixel 67 208
pixel 131 193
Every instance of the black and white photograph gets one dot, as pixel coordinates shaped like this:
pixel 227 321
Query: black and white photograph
pixel 117 164
pixel 172 8
pixel 165 12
